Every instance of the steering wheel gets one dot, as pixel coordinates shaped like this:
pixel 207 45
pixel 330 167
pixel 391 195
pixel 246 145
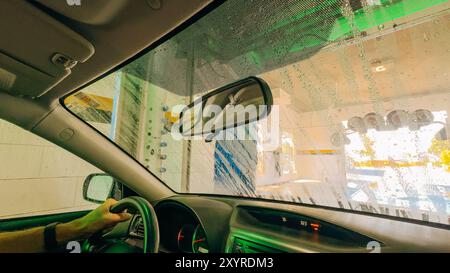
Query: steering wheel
pixel 109 242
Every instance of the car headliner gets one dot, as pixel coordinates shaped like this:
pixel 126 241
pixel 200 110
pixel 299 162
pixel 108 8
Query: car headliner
pixel 120 37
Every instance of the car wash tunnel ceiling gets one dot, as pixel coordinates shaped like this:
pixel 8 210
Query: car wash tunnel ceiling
pixel 200 58
pixel 294 31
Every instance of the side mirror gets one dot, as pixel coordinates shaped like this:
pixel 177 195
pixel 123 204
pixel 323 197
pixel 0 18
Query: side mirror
pixel 98 187
pixel 227 107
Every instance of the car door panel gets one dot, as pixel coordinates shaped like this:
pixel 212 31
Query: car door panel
pixel 36 221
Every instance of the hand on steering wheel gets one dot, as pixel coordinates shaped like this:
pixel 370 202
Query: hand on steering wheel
pixel 148 215
pixel 108 240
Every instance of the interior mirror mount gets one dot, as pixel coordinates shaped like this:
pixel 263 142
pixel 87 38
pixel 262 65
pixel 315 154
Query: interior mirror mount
pixel 98 187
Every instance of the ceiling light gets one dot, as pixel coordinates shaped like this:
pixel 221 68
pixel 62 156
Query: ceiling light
pixel 306 181
pixel 374 2
pixel 380 68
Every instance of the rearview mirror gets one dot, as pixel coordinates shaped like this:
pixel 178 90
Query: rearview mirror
pixel 230 106
pixel 98 187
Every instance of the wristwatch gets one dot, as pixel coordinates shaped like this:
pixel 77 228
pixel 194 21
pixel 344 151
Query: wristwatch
pixel 50 243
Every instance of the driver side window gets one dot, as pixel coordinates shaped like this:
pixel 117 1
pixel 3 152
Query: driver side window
pixel 38 177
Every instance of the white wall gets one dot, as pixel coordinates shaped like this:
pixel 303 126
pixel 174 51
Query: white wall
pixel 37 177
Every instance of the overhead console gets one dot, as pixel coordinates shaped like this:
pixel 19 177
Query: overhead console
pixel 36 51
pixel 262 230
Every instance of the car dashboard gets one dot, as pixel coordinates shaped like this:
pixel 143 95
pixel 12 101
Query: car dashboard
pixel 180 229
pixel 204 224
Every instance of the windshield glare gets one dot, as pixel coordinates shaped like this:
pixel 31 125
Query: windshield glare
pixel 360 116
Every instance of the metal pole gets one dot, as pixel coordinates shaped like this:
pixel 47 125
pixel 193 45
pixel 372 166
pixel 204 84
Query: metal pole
pixel 186 163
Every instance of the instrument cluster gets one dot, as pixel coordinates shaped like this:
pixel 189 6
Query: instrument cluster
pixel 180 229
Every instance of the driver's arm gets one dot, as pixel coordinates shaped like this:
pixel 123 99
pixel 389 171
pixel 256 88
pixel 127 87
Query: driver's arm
pixel 32 240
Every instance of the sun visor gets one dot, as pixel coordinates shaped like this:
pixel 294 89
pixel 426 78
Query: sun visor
pixel 36 51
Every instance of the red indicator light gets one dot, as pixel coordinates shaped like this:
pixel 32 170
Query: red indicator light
pixel 199 240
pixel 180 236
pixel 315 227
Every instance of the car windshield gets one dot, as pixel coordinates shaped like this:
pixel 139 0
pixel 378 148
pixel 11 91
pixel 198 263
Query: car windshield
pixel 361 96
